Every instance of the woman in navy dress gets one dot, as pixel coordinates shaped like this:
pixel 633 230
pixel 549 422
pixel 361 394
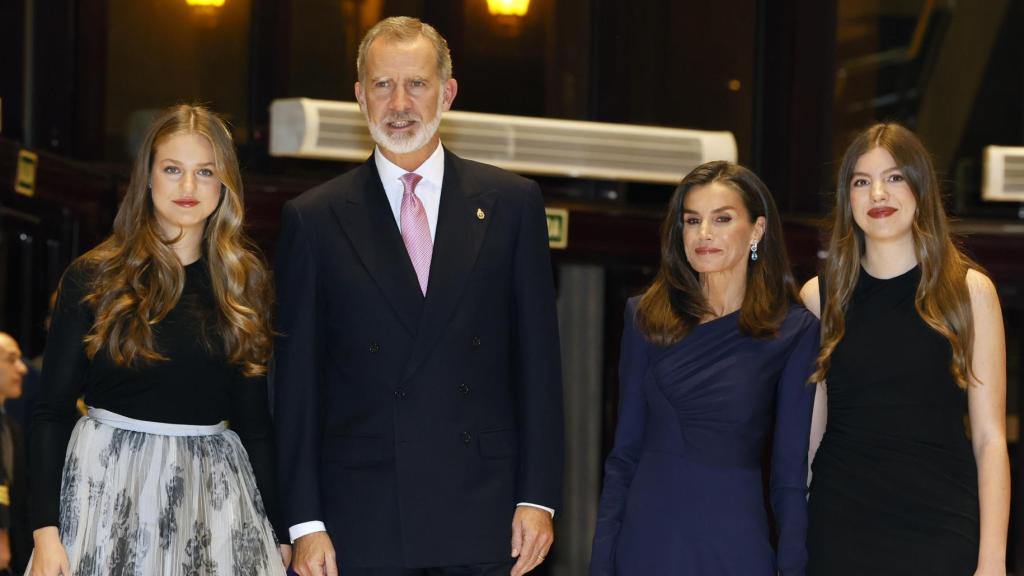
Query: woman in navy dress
pixel 713 353
pixel 913 340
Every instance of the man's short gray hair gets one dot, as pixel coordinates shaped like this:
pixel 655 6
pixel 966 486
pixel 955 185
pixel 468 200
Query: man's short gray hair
pixel 406 29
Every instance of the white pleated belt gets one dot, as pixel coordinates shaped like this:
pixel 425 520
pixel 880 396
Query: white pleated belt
pixel 160 428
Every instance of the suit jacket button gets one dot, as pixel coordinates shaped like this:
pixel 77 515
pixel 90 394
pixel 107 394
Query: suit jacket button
pixel 374 347
pixel 464 389
pixel 399 394
pixel 476 341
pixel 466 437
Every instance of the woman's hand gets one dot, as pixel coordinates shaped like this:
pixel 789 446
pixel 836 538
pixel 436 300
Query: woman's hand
pixel 49 557
pixel 286 555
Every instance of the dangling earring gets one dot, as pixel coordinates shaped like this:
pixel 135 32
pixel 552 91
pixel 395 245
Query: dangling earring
pixel 753 251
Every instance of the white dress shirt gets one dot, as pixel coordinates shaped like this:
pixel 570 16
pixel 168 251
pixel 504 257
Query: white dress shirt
pixel 429 192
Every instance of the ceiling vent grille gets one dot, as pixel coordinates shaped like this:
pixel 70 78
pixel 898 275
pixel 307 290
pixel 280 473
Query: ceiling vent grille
pixel 305 128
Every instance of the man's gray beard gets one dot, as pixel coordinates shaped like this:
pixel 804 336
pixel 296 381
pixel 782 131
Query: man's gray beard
pixel 407 144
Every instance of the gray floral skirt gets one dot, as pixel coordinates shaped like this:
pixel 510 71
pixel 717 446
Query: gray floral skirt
pixel 145 498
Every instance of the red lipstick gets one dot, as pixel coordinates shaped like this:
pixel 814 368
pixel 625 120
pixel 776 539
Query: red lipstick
pixel 881 212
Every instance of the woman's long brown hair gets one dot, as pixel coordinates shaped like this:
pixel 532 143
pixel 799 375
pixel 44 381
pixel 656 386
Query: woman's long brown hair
pixel 136 278
pixel 943 299
pixel 674 303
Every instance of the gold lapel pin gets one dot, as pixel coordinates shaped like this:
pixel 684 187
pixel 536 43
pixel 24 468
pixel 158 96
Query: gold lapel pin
pixel 480 214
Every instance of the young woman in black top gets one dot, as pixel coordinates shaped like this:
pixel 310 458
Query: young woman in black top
pixel 912 338
pixel 164 327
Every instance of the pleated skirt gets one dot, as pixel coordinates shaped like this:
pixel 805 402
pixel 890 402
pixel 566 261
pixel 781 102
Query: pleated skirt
pixel 150 499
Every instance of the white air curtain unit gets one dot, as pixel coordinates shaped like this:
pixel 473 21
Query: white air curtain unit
pixel 304 128
pixel 1003 177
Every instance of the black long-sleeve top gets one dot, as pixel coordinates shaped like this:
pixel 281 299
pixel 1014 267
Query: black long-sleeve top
pixel 195 385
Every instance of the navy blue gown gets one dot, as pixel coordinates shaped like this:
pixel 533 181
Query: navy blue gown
pixel 683 484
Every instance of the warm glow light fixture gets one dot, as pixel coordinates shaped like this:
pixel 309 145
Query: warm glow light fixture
pixel 508 7
pixel 213 3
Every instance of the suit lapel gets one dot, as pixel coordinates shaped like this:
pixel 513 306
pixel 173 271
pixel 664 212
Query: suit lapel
pixel 457 241
pixel 368 221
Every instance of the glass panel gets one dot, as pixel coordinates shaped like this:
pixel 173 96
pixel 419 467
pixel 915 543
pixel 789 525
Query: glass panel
pixel 160 52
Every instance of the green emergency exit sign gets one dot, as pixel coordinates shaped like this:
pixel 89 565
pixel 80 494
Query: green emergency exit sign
pixel 558 227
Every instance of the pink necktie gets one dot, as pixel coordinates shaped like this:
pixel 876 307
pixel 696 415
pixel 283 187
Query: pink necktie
pixel 415 230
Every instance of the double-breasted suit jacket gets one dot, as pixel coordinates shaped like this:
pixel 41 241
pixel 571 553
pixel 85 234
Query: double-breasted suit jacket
pixel 412 425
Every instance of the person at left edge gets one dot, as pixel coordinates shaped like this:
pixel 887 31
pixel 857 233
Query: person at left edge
pixel 15 535
pixel 417 383
pixel 165 328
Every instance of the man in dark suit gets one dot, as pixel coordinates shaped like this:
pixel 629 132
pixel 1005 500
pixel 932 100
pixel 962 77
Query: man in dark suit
pixel 417 382
pixel 15 536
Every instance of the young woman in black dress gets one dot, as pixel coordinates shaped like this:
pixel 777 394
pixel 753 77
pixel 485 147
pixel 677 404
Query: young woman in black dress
pixel 164 327
pixel 912 339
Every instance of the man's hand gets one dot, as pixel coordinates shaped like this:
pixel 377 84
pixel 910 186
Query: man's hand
pixel 532 535
pixel 313 555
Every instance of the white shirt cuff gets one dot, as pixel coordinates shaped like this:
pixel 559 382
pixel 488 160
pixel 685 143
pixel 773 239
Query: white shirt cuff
pixel 550 510
pixel 300 530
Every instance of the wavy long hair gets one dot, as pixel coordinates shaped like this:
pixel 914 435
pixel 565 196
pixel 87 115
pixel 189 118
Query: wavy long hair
pixel 674 302
pixel 136 278
pixel 943 299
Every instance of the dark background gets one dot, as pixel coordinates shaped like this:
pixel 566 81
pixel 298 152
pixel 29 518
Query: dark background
pixel 792 80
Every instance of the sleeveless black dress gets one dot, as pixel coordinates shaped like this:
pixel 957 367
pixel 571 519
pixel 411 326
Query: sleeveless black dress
pixel 894 487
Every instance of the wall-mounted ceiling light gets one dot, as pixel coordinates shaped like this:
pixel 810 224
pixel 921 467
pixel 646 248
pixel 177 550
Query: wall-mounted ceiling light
pixel 508 7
